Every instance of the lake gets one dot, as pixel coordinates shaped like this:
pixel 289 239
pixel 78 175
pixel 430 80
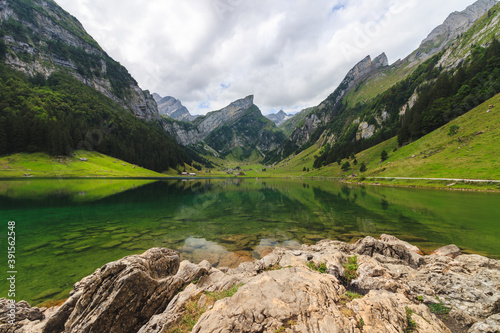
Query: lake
pixel 65 229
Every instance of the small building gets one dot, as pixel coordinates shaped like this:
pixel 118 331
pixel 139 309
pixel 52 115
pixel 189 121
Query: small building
pixel 83 159
pixel 184 174
pixel 192 174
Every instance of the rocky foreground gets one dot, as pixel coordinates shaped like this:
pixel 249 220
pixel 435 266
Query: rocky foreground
pixel 374 285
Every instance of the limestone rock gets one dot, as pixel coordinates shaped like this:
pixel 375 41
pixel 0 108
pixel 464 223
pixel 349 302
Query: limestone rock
pixel 120 296
pixel 394 240
pixel 386 251
pixel 490 325
pixel 451 251
pixel 26 317
pixel 279 292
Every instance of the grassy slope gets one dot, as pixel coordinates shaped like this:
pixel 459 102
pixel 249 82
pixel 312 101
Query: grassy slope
pixel 466 155
pixel 380 82
pixel 43 165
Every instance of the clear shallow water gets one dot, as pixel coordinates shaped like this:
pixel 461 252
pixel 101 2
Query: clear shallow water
pixel 68 228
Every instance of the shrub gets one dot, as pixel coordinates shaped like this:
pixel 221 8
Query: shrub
pixel 346 166
pixel 439 308
pixel 453 130
pixel 351 269
pixel 411 323
pixel 383 155
pixel 318 268
pixel 362 168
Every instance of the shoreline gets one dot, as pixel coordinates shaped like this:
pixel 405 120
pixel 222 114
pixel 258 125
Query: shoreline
pixel 474 185
pixel 328 285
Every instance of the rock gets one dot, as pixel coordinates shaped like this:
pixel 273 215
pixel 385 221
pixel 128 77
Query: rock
pixel 272 299
pixel 394 240
pixel 22 311
pixel 365 131
pixel 307 301
pixel 490 325
pixel 280 293
pixel 451 251
pixel 120 296
pixel 387 250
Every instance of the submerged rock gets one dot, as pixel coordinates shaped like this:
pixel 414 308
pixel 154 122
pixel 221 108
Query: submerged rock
pixel 304 290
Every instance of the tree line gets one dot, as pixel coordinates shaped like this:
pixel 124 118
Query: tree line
pixel 60 114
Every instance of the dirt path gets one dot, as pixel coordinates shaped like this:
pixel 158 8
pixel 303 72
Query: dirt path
pixel 445 179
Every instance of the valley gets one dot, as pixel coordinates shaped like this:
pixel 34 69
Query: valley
pixel 252 162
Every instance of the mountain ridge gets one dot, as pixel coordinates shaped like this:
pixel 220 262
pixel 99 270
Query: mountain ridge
pixel 330 121
pixel 45 38
pixel 238 125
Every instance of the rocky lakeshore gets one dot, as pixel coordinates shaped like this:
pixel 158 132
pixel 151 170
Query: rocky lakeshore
pixel 374 285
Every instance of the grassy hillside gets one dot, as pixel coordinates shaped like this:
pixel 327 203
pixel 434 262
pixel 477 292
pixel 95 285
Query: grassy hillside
pixel 471 153
pixel 43 165
pixel 380 82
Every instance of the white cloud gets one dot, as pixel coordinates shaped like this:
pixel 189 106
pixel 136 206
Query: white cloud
pixel 288 53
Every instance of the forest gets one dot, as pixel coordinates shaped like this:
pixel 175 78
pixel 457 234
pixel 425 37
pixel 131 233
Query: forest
pixel 59 114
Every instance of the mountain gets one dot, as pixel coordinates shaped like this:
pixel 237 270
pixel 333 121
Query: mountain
pixel 278 118
pixel 60 92
pixel 314 123
pixel 290 124
pixel 169 106
pixel 370 103
pixel 239 130
pixel 453 27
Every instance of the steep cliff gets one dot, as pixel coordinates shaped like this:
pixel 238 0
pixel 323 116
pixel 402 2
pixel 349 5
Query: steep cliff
pixel 60 92
pixel 41 38
pixel 452 28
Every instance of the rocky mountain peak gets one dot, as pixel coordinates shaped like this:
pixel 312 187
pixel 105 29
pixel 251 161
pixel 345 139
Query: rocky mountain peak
pixel 278 118
pixel 456 24
pixel 173 108
pixel 156 97
pixel 243 103
pixel 364 68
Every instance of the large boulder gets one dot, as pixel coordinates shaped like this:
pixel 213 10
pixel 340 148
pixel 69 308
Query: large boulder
pixel 120 296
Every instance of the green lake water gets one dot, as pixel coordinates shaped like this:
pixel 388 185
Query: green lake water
pixel 65 229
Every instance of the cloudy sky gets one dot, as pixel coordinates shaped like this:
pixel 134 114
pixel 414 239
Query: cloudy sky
pixel 290 54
